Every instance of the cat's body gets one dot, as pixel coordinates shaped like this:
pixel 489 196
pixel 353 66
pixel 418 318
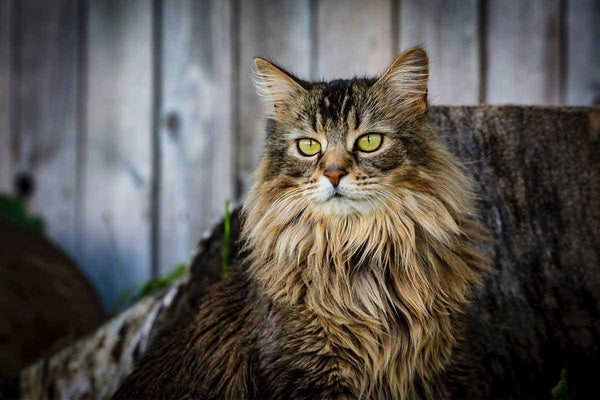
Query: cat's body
pixel 360 255
pixel 243 346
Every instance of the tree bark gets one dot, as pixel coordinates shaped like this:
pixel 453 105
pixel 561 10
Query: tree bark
pixel 537 171
pixel 538 176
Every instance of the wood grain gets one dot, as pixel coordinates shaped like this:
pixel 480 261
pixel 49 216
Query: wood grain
pixel 523 49
pixel 583 52
pixel 450 33
pixel 354 38
pixel 278 30
pixel 196 136
pixel 117 176
pixel 536 171
pixel 48 113
pixel 5 112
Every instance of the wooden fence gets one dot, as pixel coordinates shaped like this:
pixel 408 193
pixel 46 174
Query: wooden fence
pixel 137 119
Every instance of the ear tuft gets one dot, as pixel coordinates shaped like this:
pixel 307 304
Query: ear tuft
pixel 405 80
pixel 276 87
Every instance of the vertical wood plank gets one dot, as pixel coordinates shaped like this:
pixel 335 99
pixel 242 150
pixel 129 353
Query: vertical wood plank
pixel 5 134
pixel 583 52
pixel 450 33
pixel 354 38
pixel 117 177
pixel 523 52
pixel 279 30
pixel 48 113
pixel 196 135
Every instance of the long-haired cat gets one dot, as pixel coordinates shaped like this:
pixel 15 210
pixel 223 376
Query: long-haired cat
pixel 361 258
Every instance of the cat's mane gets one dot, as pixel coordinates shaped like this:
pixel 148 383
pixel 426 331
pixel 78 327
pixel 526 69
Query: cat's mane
pixel 388 285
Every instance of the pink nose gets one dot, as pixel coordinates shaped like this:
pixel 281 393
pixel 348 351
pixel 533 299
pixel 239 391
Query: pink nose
pixel 335 174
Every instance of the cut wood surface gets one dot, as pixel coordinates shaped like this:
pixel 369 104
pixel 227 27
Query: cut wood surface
pixel 537 174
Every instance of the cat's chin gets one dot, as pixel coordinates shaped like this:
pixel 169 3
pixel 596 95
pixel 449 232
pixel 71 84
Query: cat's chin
pixel 343 206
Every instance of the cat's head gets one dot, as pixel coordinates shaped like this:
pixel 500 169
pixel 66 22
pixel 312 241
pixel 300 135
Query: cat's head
pixel 343 147
pixel 354 179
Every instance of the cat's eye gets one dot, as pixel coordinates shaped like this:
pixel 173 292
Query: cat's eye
pixel 308 147
pixel 369 142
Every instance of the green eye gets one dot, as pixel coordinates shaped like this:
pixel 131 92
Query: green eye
pixel 308 147
pixel 369 142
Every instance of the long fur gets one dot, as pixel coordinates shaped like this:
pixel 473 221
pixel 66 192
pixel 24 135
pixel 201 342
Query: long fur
pixel 386 287
pixel 360 297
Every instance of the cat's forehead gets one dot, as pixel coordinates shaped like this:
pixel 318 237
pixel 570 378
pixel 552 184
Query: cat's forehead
pixel 339 102
pixel 340 94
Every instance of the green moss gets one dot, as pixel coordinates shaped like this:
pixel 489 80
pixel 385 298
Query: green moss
pixel 560 390
pixel 13 209
pixel 162 282
pixel 132 295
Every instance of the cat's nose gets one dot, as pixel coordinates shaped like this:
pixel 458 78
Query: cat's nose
pixel 335 174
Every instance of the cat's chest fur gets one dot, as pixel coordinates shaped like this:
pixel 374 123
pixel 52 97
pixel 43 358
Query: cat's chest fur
pixel 336 354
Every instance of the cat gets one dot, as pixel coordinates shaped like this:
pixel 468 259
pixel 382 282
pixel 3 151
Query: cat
pixel 360 235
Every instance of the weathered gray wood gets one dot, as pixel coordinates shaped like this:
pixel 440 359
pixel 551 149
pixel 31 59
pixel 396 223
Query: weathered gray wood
pixel 5 133
pixel 449 30
pixel 354 38
pixel 48 113
pixel 523 52
pixel 117 175
pixel 583 52
pixel 196 136
pixel 279 30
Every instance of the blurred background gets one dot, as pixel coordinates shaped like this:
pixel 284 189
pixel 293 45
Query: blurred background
pixel 126 125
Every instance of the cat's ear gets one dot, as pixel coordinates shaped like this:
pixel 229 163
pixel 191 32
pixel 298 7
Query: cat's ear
pixel 277 88
pixel 405 81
